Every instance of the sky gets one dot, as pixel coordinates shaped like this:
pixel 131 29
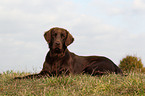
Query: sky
pixel 110 28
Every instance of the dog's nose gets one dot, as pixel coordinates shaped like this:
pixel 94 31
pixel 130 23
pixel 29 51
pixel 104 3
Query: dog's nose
pixel 57 43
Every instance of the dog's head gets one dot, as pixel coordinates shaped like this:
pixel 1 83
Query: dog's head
pixel 58 39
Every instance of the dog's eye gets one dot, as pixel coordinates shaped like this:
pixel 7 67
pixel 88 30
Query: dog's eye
pixel 55 34
pixel 62 35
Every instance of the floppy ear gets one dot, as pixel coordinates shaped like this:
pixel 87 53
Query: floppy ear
pixel 47 36
pixel 69 39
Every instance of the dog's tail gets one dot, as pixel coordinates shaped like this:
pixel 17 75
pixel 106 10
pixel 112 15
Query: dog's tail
pixel 119 71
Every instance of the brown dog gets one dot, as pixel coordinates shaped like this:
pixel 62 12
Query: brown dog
pixel 60 60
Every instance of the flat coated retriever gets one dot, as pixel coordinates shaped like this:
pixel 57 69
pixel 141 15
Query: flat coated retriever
pixel 59 60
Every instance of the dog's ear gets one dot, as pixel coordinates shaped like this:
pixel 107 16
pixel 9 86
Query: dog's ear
pixel 69 39
pixel 47 36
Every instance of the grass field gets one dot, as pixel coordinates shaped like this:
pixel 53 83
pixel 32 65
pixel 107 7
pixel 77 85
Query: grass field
pixel 78 85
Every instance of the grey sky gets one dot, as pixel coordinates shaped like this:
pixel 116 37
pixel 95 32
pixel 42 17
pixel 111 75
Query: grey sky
pixel 111 28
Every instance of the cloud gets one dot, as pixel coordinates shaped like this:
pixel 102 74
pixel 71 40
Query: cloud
pixel 107 7
pixel 139 4
pixel 20 54
pixel 110 28
pixel 22 27
pixel 34 14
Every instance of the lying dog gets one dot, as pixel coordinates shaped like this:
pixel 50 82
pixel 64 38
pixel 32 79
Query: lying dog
pixel 60 60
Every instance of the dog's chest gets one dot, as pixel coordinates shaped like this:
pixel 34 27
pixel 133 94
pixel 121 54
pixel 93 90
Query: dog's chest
pixel 59 67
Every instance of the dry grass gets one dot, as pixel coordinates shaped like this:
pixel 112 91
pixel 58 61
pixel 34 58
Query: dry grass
pixel 78 85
